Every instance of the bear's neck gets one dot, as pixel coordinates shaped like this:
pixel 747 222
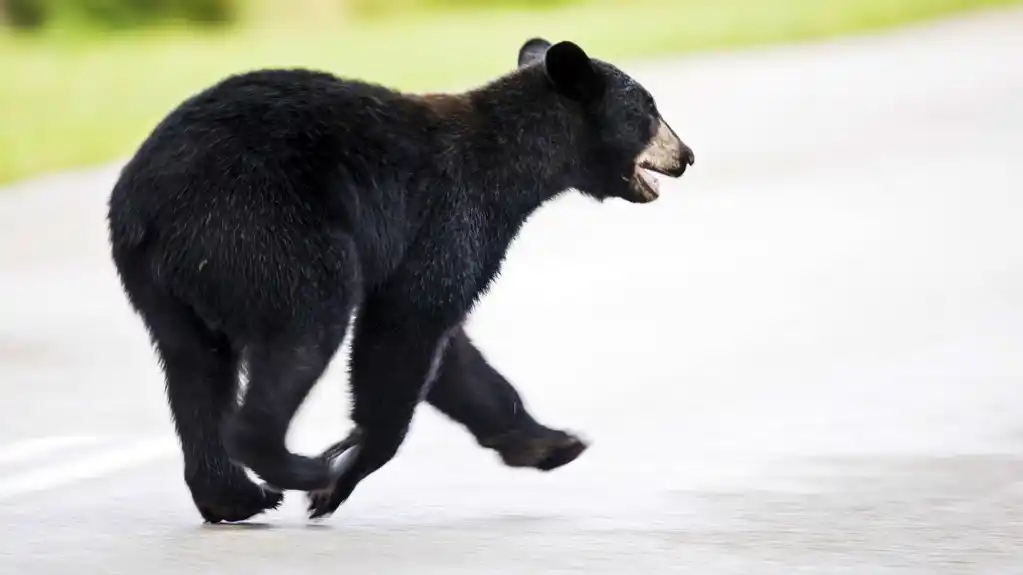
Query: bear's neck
pixel 522 142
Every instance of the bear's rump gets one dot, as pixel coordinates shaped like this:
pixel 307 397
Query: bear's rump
pixel 241 275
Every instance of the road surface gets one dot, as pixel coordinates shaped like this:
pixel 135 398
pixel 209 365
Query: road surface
pixel 807 357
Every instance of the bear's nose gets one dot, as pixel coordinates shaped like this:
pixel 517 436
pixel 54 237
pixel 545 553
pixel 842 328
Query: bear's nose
pixel 688 157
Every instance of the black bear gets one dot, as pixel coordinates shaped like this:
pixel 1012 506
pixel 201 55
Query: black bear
pixel 262 213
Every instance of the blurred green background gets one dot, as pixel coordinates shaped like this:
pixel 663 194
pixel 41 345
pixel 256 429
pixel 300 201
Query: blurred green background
pixel 83 81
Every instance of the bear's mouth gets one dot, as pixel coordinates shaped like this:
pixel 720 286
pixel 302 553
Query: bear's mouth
pixel 665 155
pixel 645 182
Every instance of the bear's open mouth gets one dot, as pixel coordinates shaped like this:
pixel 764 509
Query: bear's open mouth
pixel 646 182
pixel 665 155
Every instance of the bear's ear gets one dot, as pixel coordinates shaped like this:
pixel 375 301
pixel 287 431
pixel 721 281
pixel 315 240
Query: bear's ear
pixel 570 70
pixel 532 51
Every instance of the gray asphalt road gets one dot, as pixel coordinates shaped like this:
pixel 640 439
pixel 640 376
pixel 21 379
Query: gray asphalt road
pixel 806 357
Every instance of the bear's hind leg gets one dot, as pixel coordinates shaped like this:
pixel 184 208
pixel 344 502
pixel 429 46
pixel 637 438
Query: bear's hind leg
pixel 472 393
pixel 282 371
pixel 201 371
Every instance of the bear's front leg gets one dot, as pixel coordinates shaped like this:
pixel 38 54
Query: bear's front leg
pixel 394 359
pixel 474 394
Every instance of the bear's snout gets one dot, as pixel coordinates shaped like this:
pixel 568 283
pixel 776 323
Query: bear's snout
pixel 666 153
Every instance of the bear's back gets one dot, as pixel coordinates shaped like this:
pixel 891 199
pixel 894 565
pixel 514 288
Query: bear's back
pixel 252 178
pixel 270 130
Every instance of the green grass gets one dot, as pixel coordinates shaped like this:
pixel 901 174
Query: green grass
pixel 70 101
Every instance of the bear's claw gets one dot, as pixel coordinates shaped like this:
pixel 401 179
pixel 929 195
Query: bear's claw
pixel 562 454
pixel 545 450
pixel 242 505
pixel 340 457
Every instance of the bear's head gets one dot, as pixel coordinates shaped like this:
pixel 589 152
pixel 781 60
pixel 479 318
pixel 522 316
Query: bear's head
pixel 625 138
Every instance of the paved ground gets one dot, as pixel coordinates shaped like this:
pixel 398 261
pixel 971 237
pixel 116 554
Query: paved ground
pixel 804 358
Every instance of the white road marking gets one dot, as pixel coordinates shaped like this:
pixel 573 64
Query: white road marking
pixel 88 467
pixel 37 447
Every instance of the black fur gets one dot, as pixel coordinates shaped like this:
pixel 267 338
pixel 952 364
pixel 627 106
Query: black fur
pixel 264 211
